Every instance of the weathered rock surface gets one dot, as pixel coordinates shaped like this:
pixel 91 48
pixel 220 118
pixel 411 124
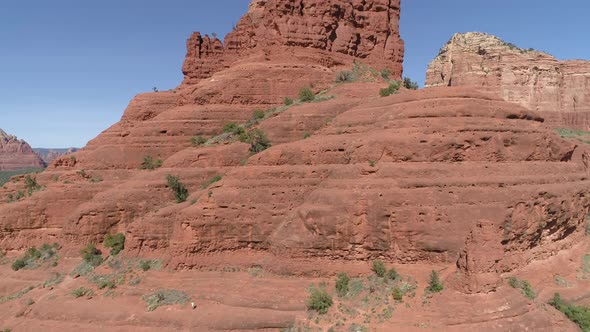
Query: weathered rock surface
pixel 559 90
pixel 17 154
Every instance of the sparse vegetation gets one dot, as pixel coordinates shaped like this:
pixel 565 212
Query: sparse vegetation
pixel 288 101
pixel 150 164
pixel 379 268
pixel 91 255
pixel 6 175
pixel 524 286
pixel 257 140
pixel 319 301
pixel 392 274
pixel 342 280
pixel 17 196
pixel 577 314
pixel 83 292
pixel 145 265
pixel 258 115
pixel 398 295
pixel 198 140
pixel 180 192
pixel 391 89
pixel 17 295
pixel 233 128
pixel 54 279
pixel 345 76
pixel 33 257
pixel 211 181
pixel 434 285
pixel 116 242
pixel 306 95
pixel 372 163
pixel 385 74
pixel 409 84
pixel 165 297
pixel 31 185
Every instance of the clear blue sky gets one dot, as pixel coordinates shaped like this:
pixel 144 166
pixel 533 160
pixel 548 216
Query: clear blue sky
pixel 68 68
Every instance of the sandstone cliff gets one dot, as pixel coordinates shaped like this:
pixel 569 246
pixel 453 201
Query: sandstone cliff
pixel 560 90
pixel 439 176
pixel 17 154
pixel 49 155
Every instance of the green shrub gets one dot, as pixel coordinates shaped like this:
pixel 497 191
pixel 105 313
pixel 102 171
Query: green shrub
pixel 391 89
pixel 198 140
pixel 180 192
pixel 145 265
pixel 19 264
pixel 257 140
pixel 91 255
pixel 524 286
pixel 306 95
pixel 409 84
pixel 211 181
pixel 33 255
pixel 288 101
pixel 392 274
pixel 342 280
pixel 258 115
pixel 379 268
pixel 577 314
pixel 103 283
pixel 385 73
pixel 31 185
pixel 150 164
pixel 165 297
pixel 398 295
pixel 319 301
pixel 233 128
pixel 82 291
pixel 17 196
pixel 435 285
pixel 115 242
pixel 306 135
pixel 372 163
pixel 345 76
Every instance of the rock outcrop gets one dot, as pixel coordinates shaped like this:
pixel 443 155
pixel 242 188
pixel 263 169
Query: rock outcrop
pixel 17 154
pixel 559 90
pixel 431 177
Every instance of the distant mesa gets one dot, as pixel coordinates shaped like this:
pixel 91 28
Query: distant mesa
pixel 49 155
pixel 559 90
pixel 16 154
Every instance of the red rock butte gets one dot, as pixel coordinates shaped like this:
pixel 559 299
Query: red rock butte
pixel 559 90
pixel 17 154
pixel 445 177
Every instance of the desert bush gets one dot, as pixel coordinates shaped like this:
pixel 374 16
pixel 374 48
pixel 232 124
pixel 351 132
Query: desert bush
pixel 165 297
pixel 342 280
pixel 150 164
pixel 31 185
pixel 345 76
pixel 306 95
pixel 116 242
pixel 211 181
pixel 398 295
pixel 257 140
pixel 385 73
pixel 577 314
pixel 434 285
pixel 379 268
pixel 82 291
pixel 392 274
pixel 17 196
pixel 409 84
pixel 91 255
pixel 180 192
pixel 524 286
pixel 258 115
pixel 198 140
pixel 319 301
pixel 233 128
pixel 145 265
pixel 288 101
pixel 33 257
pixel 391 89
